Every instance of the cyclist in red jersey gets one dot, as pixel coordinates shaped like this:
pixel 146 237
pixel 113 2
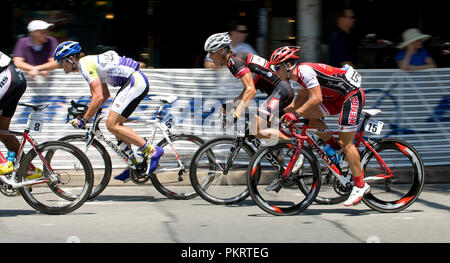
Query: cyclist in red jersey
pixel 324 91
pixel 255 74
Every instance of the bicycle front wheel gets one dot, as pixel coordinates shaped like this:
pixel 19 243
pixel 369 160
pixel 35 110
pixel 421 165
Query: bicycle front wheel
pixel 100 161
pixel 392 194
pixel 271 190
pixel 171 178
pixel 218 170
pixel 73 170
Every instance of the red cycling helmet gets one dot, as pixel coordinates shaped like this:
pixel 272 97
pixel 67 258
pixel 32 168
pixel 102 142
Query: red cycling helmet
pixel 284 53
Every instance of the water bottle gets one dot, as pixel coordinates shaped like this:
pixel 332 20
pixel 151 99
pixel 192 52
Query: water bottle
pixel 334 156
pixel 127 151
pixel 10 156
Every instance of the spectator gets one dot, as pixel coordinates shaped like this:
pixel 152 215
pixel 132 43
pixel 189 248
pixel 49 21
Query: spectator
pixel 238 32
pixel 342 46
pixel 35 52
pixel 414 56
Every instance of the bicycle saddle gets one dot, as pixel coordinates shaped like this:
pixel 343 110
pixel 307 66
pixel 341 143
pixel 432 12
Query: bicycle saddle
pixel 37 107
pixel 371 112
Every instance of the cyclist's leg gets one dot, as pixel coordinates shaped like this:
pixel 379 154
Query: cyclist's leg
pixel 114 123
pixel 348 125
pixel 10 141
pixel 8 106
pixel 281 98
pixel 126 101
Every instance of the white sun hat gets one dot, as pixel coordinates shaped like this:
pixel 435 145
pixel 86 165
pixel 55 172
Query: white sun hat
pixel 38 25
pixel 411 35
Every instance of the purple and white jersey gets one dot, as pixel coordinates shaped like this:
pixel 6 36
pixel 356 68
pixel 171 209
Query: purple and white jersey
pixel 109 67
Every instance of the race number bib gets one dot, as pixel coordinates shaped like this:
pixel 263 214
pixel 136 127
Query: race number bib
pixel 35 124
pixel 353 77
pixel 109 57
pixel 258 60
pixel 374 126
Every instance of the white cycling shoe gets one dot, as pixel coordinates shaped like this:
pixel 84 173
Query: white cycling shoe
pixel 357 194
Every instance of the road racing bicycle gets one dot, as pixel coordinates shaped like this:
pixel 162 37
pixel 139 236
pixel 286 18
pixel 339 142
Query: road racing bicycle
pixel 392 167
pixel 170 178
pixel 53 177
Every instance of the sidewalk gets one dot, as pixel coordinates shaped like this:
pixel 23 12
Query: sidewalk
pixel 433 174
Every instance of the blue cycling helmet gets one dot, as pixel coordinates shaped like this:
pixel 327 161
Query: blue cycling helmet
pixel 66 49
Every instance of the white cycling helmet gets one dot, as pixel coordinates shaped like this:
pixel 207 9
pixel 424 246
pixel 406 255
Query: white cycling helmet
pixel 217 41
pixel 4 60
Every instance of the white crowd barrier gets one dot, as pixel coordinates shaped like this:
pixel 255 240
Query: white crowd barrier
pixel 415 105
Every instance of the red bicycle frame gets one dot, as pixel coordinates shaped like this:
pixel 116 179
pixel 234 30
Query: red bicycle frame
pixel 27 138
pixel 303 136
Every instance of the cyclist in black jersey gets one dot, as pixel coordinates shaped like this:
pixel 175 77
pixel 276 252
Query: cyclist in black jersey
pixel 12 87
pixel 255 74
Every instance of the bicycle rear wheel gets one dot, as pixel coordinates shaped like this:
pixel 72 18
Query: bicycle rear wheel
pixel 404 187
pixel 288 197
pixel 74 172
pixel 218 171
pixel 170 178
pixel 102 168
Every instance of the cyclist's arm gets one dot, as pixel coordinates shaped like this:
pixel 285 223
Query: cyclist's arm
pixel 301 98
pixel 315 98
pixel 100 93
pixel 248 93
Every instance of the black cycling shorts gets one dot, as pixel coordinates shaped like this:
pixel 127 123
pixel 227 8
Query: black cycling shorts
pixel 14 81
pixel 281 97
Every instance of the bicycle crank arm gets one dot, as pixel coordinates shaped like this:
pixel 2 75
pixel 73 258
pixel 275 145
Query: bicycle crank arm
pixel 162 170
pixel 378 178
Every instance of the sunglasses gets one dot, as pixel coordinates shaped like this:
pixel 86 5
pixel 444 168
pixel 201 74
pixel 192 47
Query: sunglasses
pixel 61 60
pixel 242 31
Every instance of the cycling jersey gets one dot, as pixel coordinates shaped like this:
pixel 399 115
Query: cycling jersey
pixel 109 67
pixel 264 78
pixel 114 70
pixel 280 92
pixel 341 92
pixel 12 87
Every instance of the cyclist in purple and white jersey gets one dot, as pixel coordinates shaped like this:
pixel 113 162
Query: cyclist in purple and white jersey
pixel 111 69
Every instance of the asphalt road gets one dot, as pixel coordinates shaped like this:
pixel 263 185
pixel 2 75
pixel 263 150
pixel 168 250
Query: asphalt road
pixel 140 214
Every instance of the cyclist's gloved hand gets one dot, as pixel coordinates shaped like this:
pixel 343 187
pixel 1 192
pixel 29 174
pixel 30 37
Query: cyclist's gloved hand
pixel 290 118
pixel 79 123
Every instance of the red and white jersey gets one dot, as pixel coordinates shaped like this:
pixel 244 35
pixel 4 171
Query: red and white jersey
pixel 335 83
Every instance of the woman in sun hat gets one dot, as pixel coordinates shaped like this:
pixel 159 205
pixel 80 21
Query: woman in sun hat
pixel 414 56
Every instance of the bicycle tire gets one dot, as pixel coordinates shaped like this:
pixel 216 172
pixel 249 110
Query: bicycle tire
pixel 170 187
pixel 219 194
pixel 35 198
pixel 407 167
pixel 285 200
pixel 107 165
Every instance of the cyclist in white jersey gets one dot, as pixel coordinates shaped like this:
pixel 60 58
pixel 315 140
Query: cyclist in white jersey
pixel 111 69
